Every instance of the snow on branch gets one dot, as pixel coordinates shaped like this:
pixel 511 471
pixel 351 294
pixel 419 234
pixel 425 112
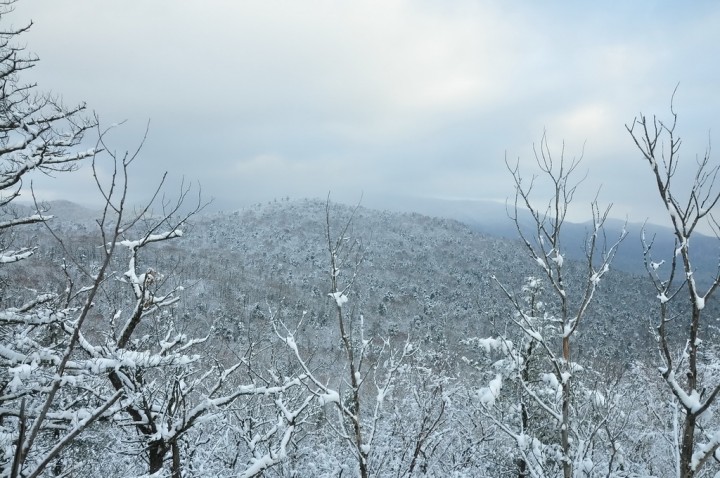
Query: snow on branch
pixel 488 395
pixel 340 298
pixel 35 218
pixel 9 257
pixel 90 417
pixel 705 450
pixel 136 244
pixel 279 454
pixel 691 401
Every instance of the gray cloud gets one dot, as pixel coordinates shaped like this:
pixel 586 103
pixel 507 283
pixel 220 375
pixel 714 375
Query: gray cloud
pixel 261 99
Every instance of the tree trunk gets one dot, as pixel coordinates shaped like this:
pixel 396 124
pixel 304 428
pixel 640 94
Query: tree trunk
pixel 565 426
pixel 176 465
pixel 565 431
pixel 686 448
pixel 156 456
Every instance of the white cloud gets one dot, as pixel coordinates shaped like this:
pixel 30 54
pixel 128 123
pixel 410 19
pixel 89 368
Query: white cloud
pixel 392 95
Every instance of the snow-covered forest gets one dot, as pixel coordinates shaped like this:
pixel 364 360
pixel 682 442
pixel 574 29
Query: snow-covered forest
pixel 304 338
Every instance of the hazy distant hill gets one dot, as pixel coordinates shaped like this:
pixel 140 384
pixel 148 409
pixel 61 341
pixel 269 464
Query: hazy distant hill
pixel 429 277
pixel 65 211
pixel 491 218
pixel 423 277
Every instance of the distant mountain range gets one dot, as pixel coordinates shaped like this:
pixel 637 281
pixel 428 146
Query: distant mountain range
pixel 414 282
pixel 492 218
pixel 431 278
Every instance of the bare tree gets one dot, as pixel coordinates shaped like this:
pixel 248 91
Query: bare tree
pixel 37 134
pixel 167 384
pixel 553 393
pixel 371 365
pixel 59 377
pixel 682 297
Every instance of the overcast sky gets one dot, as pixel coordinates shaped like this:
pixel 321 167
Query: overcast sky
pixel 265 99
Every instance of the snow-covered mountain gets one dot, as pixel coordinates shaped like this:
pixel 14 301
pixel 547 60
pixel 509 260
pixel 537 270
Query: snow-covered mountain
pixel 434 279
pixel 256 288
pixel 491 218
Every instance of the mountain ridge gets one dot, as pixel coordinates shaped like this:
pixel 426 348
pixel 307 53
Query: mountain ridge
pixel 433 279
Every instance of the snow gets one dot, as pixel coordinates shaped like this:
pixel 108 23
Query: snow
pixel 692 401
pixel 331 396
pixel 575 367
pixel 487 395
pixel 290 341
pixel 587 465
pixel 134 359
pixel 13 256
pixel 553 385
pixel 489 344
pixel 551 380
pixel 703 449
pixel 663 298
pixel 683 245
pixel 598 398
pixel 339 297
pixel 534 334
pixel 23 370
pixel 151 238
pixel 558 259
pixel 15 383
pixel 700 302
pixel 259 465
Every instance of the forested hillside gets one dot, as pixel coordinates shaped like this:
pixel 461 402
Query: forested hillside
pixel 427 278
pixel 419 282
pixel 150 338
